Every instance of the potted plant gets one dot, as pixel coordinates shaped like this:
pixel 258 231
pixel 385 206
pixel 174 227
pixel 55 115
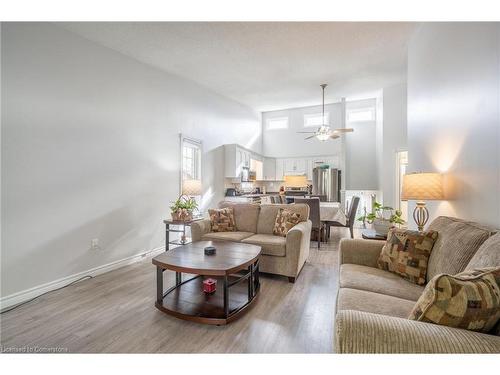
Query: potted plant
pixel 182 209
pixel 383 218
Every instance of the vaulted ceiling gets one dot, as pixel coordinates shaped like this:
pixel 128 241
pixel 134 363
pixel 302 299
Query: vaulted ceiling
pixel 266 65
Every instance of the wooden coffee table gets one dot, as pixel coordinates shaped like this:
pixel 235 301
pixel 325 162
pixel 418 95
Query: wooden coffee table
pixel 232 264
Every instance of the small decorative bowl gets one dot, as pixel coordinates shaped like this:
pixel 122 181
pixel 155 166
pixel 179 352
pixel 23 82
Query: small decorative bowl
pixel 210 250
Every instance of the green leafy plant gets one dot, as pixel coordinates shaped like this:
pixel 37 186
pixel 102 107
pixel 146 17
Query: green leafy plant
pixel 383 213
pixel 184 203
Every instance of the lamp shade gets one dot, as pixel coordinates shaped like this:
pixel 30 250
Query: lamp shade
pixel 422 186
pixel 295 181
pixel 191 187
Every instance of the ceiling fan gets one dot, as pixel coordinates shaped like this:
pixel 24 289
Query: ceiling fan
pixel 324 132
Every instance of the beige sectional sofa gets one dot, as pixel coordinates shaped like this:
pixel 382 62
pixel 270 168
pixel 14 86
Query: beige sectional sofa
pixel 373 305
pixel 254 223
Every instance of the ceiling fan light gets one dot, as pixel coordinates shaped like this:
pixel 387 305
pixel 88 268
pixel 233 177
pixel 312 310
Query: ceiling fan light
pixel 323 136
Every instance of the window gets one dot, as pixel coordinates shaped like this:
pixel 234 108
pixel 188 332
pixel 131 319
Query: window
pixel 191 159
pixel 361 115
pixel 277 123
pixel 316 120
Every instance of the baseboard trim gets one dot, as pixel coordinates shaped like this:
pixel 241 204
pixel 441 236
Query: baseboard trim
pixel 25 295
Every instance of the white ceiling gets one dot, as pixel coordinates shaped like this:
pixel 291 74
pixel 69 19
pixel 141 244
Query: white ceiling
pixel 270 65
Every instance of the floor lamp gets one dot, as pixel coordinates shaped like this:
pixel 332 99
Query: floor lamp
pixel 422 187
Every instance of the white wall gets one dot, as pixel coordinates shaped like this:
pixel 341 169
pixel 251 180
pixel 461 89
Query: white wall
pixel 394 138
pixel 453 115
pixel 90 149
pixel 361 151
pixel 288 143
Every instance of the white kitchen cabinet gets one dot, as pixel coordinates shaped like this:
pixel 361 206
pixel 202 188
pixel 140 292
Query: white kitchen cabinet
pixel 309 168
pixel 288 166
pixel 280 171
pixel 235 159
pixel 300 166
pixel 246 158
pixel 295 166
pixel 257 167
pixel 269 169
pixel 272 169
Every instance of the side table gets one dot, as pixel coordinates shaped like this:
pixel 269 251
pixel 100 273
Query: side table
pixel 177 223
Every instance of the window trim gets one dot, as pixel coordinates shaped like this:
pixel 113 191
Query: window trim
pixel 317 114
pixel 358 110
pixel 283 118
pixel 195 143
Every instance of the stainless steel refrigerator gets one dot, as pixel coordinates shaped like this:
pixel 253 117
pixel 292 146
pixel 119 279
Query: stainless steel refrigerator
pixel 326 181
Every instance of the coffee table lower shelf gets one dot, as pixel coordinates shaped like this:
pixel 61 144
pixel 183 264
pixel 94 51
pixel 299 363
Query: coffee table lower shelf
pixel 187 301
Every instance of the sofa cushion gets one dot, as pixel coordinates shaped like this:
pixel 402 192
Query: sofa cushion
pixel 245 215
pixel 285 220
pixel 354 299
pixel 222 220
pixel 488 255
pixel 268 212
pixel 371 279
pixel 457 242
pixel 406 253
pixel 469 300
pixel 226 236
pixel 271 245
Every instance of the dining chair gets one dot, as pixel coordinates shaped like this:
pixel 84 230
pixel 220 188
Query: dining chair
pixel 351 218
pixel 314 216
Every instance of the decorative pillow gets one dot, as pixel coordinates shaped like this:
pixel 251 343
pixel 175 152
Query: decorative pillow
pixel 468 300
pixel 406 253
pixel 285 220
pixel 222 220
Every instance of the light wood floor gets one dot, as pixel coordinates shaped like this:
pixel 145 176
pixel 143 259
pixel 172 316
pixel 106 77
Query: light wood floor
pixel 115 313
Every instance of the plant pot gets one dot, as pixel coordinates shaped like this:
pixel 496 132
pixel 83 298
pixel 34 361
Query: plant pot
pixel 182 215
pixel 382 226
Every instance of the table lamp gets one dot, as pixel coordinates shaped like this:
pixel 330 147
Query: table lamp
pixel 191 188
pixel 421 187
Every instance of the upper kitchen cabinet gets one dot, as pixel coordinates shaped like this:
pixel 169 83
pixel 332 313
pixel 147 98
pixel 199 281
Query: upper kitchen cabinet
pixel 280 171
pixel 237 157
pixel 243 157
pixel 295 166
pixel 269 169
pixel 234 161
pixel 257 167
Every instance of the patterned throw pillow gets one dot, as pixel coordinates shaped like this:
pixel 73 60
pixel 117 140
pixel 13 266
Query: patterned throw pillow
pixel 222 220
pixel 468 300
pixel 285 220
pixel 406 253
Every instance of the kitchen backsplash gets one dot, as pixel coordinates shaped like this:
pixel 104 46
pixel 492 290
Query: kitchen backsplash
pixel 269 186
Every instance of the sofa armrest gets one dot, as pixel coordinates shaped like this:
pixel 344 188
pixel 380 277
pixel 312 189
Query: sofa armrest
pixel 297 245
pixel 362 332
pixel 362 252
pixel 199 228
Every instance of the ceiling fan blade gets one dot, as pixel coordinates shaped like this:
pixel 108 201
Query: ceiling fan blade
pixel 311 136
pixel 334 136
pixel 343 130
pixel 307 132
